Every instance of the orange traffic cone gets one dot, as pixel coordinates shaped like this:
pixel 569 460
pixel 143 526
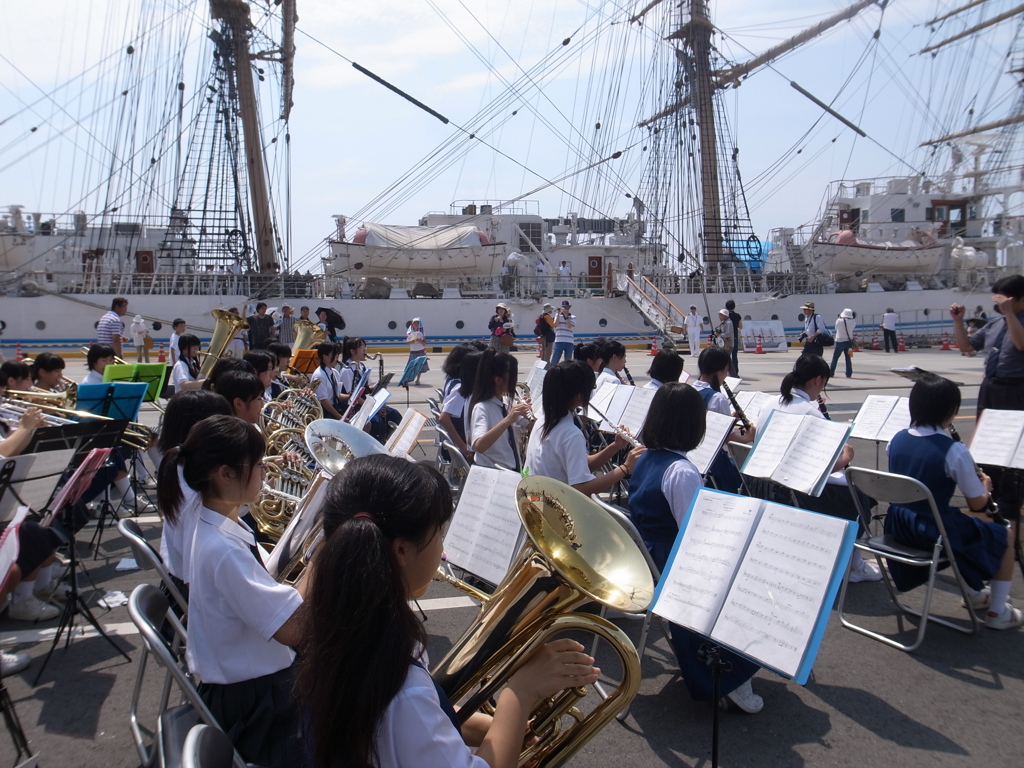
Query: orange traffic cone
pixel 540 347
pixel 161 357
pixel 902 347
pixel 654 345
pixel 17 351
pixel 874 341
pixel 759 349
pixel 853 347
pixel 945 342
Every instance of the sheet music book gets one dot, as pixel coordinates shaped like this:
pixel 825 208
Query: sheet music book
pixel 756 576
pixel 404 437
pixel 357 392
pixel 31 479
pixel 881 417
pixel 535 381
pixel 151 374
pixel 719 427
pixel 998 439
pixel 626 406
pixel 371 405
pixel 757 405
pixel 733 383
pixel 797 451
pixel 486 534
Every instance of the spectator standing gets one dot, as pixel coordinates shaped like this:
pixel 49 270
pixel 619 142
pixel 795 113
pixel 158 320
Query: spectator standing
pixel 286 326
pixel 501 324
pixel 261 327
pixel 564 277
pixel 737 325
pixel 110 329
pixel 725 332
pixel 417 341
pixel 694 325
pixel 544 330
pixel 140 335
pixel 178 328
pixel 304 314
pixel 814 326
pixel 889 321
pixel 845 325
pixel 565 339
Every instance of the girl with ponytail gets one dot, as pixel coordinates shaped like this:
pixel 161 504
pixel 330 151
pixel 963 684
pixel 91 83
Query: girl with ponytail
pixel 370 701
pixel 242 625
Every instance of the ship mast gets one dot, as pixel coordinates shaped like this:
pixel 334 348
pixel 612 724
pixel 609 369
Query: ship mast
pixel 235 15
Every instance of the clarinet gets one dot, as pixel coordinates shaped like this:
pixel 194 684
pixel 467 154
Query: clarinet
pixel 990 508
pixel 822 408
pixel 629 378
pixel 744 422
pixel 617 430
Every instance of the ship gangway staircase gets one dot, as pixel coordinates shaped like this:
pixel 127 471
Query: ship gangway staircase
pixel 654 306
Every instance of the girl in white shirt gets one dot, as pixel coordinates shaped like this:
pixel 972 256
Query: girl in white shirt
pixel 494 427
pixel 187 367
pixel 369 697
pixel 97 359
pixel 184 410
pixel 557 447
pixel 242 625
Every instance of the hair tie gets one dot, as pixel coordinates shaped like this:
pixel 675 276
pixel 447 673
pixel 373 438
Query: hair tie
pixel 372 518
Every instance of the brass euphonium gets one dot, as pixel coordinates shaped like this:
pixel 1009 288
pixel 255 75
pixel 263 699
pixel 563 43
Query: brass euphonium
pixel 307 335
pixel 227 325
pixel 576 554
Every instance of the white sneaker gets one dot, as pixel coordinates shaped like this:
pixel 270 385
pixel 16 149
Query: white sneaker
pixel 13 663
pixel 52 589
pixel 745 698
pixel 32 609
pixel 865 571
pixel 1010 617
pixel 981 601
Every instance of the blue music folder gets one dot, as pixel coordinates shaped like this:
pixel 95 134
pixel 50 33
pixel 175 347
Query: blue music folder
pixel 412 370
pixel 115 400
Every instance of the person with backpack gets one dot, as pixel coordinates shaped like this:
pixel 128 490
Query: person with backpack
pixel 544 330
pixel 815 331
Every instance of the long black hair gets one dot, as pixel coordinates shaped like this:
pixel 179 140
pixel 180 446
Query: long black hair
pixel 224 365
pixel 185 343
pixel 185 410
pixel 217 441
pixel 362 634
pixel 493 364
pixel 805 368
pixel 467 373
pixel 587 352
pixel 561 384
pixel 712 360
pixel 349 345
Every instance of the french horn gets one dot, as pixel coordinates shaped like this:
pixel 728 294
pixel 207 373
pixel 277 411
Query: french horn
pixel 576 553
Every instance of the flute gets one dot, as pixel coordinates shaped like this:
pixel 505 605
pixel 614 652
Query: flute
pixel 990 508
pixel 744 421
pixel 617 430
pixel 822 408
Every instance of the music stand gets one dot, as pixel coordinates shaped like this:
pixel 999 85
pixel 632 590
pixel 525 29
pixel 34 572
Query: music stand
pixel 305 361
pixel 152 374
pixel 8 559
pixel 412 371
pixel 62 504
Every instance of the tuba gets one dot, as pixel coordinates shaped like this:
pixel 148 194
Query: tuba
pixel 332 443
pixel 576 554
pixel 308 334
pixel 227 325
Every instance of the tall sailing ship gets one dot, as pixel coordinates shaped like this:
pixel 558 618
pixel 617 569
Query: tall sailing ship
pixel 184 182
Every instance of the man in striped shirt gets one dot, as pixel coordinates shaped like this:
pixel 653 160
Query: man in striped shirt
pixel 110 328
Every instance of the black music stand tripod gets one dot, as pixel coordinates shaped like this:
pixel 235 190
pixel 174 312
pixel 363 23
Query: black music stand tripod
pixel 75 605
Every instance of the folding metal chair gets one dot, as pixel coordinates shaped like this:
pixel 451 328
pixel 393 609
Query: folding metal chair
pixel 459 469
pixel 207 747
pixel 738 452
pixel 620 516
pixel 147 557
pixel 149 610
pixel 888 488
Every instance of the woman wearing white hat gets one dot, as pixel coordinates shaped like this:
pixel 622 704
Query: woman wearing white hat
pixel 845 325
pixel 502 328
pixel 140 333
pixel 417 341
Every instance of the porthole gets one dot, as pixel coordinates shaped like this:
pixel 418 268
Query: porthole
pixel 746 317
pixel 775 317
pixel 392 325
pixel 41 325
pixel 604 323
pixel 460 324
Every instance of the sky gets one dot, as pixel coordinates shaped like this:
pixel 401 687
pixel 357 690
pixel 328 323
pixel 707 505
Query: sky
pixel 351 139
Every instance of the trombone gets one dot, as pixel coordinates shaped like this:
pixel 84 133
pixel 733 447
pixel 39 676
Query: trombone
pixel 136 435
pixel 117 360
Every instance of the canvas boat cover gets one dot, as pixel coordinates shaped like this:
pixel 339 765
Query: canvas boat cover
pixel 420 238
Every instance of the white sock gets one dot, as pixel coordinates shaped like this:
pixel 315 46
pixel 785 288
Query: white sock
pixel 857 559
pixel 140 468
pixel 23 591
pixel 123 486
pixel 44 576
pixel 973 592
pixel 1000 592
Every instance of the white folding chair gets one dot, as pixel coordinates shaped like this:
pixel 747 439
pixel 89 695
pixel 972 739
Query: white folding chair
pixel 620 516
pixel 147 557
pixel 459 469
pixel 207 747
pixel 888 488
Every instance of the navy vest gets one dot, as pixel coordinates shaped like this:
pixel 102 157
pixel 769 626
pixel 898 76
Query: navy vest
pixel 647 504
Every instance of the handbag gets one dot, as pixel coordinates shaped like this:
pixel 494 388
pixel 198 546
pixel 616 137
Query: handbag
pixel 147 342
pixel 507 340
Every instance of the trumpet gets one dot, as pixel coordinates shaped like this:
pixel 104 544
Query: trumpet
pixel 11 412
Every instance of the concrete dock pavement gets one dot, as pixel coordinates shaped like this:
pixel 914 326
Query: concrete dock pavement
pixel 951 703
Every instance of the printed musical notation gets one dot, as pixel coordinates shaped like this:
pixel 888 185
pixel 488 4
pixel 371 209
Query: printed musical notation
pixel 718 429
pixel 756 576
pixel 404 437
pixel 797 451
pixel 998 439
pixel 626 406
pixel 485 532
pixel 881 417
pixel 535 381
